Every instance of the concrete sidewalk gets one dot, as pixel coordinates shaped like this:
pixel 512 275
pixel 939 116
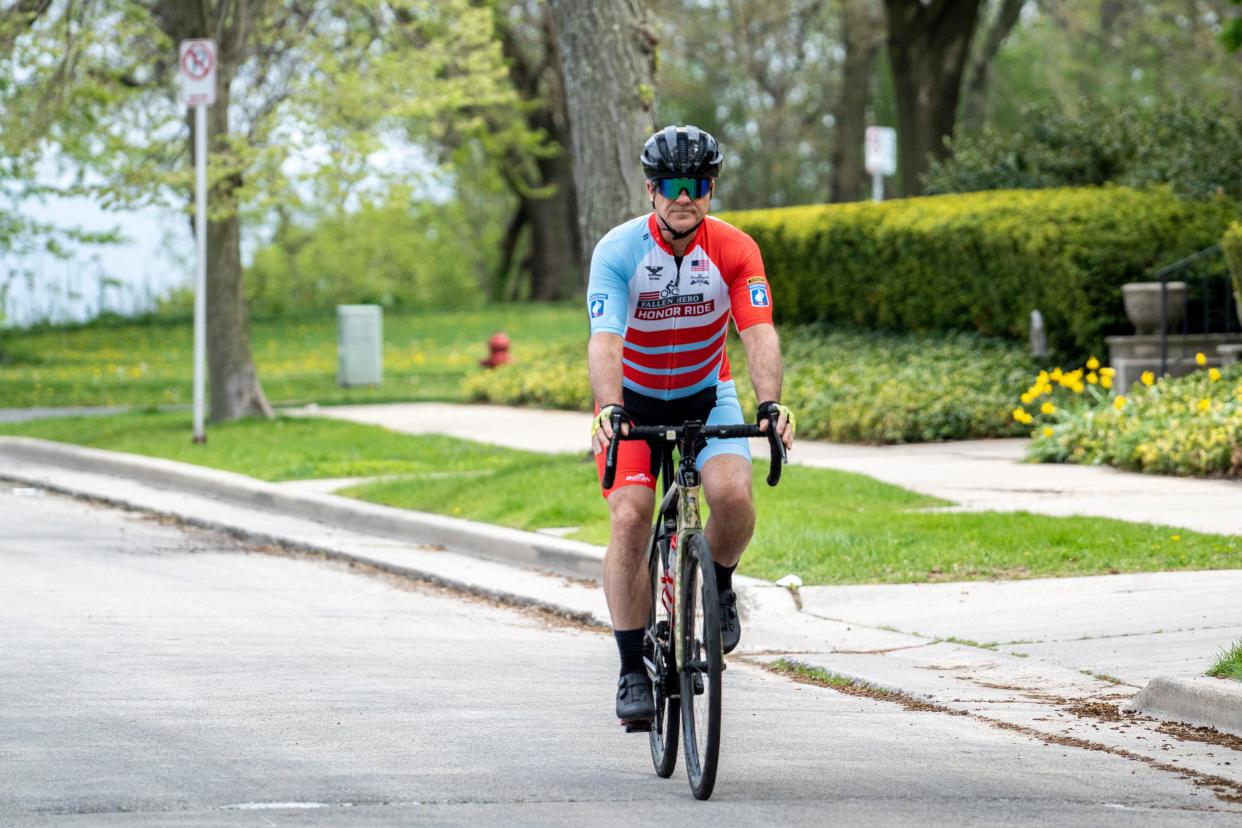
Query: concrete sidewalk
pixel 976 475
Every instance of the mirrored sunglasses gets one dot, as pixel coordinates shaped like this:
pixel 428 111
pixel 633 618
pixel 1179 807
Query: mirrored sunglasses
pixel 671 188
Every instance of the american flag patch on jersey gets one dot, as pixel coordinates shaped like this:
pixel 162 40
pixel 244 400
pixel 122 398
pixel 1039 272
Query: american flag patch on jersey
pixel 648 295
pixel 700 265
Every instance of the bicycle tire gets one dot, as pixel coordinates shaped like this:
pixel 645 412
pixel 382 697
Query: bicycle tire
pixel 663 733
pixel 700 710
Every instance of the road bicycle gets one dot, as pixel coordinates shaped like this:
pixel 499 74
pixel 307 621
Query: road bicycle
pixel 682 649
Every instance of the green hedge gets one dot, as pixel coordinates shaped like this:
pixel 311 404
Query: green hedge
pixel 980 261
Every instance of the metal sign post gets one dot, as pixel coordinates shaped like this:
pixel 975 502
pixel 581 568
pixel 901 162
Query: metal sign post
pixel 197 65
pixel 881 144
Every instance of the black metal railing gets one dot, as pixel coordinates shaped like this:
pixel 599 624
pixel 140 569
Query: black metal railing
pixel 1214 277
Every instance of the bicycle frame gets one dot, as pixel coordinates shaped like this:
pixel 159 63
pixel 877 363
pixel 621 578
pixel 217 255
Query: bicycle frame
pixel 681 501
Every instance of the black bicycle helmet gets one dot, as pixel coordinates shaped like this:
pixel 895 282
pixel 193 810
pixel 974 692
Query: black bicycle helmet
pixel 681 151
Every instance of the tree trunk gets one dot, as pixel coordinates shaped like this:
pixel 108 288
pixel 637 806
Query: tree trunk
pixel 928 43
pixel 555 252
pixel 608 64
pixel 974 107
pixel 862 31
pixel 234 383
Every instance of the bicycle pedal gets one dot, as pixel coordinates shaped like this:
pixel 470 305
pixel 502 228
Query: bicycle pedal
pixel 639 726
pixel 698 684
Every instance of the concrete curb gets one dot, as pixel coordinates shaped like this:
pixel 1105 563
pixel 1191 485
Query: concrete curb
pixel 497 543
pixel 1201 701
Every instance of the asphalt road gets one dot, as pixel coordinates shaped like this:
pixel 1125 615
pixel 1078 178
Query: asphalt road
pixel 151 674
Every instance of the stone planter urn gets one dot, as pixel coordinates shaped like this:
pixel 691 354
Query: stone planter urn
pixel 1142 301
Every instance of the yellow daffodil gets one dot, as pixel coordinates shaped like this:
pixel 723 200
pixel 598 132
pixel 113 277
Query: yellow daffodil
pixel 1200 359
pixel 1047 431
pixel 1205 404
pixel 1148 378
pixel 1214 374
pixel 1093 363
pixel 1048 408
pixel 1120 402
pixel 1092 378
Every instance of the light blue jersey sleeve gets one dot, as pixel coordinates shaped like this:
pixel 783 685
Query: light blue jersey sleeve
pixel 608 289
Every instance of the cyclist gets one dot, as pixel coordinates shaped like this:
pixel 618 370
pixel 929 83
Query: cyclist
pixel 663 288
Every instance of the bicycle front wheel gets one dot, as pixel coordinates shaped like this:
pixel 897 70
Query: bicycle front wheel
pixel 700 675
pixel 658 654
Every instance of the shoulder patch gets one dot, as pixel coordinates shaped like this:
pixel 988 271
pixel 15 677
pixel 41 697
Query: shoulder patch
pixel 758 295
pixel 597 304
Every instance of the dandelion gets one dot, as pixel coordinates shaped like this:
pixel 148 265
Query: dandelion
pixel 1148 378
pixel 1047 408
pixel 1214 374
pixel 1093 363
pixel 1200 359
pixel 1120 402
pixel 1205 404
pixel 1047 431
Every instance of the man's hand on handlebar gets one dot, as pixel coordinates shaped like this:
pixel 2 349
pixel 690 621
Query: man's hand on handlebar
pixel 601 426
pixel 786 422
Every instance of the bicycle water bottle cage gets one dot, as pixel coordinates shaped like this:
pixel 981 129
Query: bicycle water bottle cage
pixel 687 478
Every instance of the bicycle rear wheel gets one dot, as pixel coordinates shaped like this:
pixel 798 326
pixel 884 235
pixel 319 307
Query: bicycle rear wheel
pixel 700 676
pixel 658 653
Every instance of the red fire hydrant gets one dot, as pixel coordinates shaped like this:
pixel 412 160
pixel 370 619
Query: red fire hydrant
pixel 499 345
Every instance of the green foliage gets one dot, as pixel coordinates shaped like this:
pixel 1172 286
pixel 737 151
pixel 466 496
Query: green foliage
pixel 1186 426
pixel 1192 147
pixel 1229 665
pixel 979 261
pixel 394 256
pixel 850 387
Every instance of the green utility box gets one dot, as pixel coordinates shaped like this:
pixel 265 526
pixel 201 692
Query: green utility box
pixel 360 344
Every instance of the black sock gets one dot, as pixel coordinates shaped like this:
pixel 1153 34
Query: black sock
pixel 630 645
pixel 724 576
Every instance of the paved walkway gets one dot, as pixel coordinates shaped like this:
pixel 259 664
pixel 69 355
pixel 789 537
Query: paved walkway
pixel 977 475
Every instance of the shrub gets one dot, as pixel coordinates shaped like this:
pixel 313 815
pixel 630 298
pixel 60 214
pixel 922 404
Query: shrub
pixel 1185 426
pixel 1190 146
pixel 980 261
pixel 846 386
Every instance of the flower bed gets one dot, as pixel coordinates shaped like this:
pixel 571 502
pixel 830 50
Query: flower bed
pixel 1185 426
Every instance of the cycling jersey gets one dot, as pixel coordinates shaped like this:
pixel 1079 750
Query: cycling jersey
pixel 674 313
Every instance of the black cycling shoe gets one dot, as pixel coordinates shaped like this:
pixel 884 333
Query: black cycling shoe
pixel 730 624
pixel 634 701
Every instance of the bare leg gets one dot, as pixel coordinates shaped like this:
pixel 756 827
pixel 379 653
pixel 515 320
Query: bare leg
pixel 726 485
pixel 625 563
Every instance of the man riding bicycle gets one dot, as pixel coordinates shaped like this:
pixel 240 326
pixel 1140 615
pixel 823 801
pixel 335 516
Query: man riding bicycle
pixel 663 288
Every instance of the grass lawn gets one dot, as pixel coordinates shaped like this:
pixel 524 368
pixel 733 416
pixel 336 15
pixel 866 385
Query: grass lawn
pixel 1230 664
pixel 828 527
pixel 426 355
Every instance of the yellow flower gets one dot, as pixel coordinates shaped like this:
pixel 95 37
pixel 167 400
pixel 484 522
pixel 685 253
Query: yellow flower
pixel 1047 408
pixel 1042 379
pixel 1106 382
pixel 1120 402
pixel 1026 398
pixel 1175 537
pixel 1092 378
pixel 1093 363
pixel 1056 375
pixel 1200 359
pixel 1214 374
pixel 1078 388
pixel 1205 404
pixel 1047 431
pixel 1108 372
pixel 1148 378
pixel 1019 414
